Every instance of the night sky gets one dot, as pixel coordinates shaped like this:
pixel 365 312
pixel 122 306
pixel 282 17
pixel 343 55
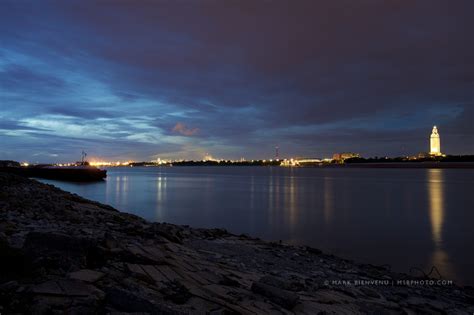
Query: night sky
pixel 177 79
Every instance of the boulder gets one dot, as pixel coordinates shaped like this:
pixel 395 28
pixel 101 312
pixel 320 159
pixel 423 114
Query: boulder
pixel 276 295
pixel 86 275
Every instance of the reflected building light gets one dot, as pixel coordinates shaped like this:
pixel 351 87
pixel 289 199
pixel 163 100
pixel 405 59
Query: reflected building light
pixel 161 187
pixel 161 184
pixel 121 189
pixel 439 257
pixel 436 201
pixel 328 199
pixel 276 210
pixel 290 201
pixel 276 192
pixel 109 190
pixel 252 192
pixel 271 196
pixel 117 190
pixel 293 206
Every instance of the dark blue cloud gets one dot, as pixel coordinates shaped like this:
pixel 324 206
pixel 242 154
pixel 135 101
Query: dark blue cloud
pixel 313 76
pixel 19 77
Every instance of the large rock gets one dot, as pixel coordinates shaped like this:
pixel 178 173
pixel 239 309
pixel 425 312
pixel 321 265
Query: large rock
pixel 56 250
pixel 278 296
pixel 86 275
pixel 13 263
pixel 127 301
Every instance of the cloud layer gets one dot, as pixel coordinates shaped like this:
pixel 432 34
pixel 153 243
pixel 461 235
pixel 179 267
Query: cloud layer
pixel 128 80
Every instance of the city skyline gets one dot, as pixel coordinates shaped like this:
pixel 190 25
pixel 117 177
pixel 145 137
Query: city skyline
pixel 434 143
pixel 138 81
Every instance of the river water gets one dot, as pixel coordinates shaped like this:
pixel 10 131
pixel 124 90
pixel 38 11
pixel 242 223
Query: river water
pixel 401 217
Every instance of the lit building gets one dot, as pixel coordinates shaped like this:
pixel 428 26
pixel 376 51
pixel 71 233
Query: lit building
pixel 209 157
pixel 340 157
pixel 435 143
pixel 300 161
pixel 289 162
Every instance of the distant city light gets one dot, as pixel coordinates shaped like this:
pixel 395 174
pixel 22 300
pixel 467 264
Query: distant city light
pixel 107 163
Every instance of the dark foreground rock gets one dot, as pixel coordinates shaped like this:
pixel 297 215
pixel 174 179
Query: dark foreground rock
pixel 61 254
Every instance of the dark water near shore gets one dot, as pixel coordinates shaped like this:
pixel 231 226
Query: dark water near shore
pixel 402 217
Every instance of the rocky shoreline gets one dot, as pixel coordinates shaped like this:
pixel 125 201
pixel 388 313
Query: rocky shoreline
pixel 61 253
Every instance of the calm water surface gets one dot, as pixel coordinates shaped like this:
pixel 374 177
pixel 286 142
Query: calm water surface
pixel 402 217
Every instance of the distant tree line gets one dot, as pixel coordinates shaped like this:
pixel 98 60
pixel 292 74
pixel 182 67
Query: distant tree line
pixel 228 163
pixel 448 158
pixel 212 163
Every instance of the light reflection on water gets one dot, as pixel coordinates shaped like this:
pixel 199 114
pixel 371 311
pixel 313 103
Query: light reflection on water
pixel 440 258
pixel 406 218
pixel 435 190
pixel 328 199
pixel 160 196
pixel 121 190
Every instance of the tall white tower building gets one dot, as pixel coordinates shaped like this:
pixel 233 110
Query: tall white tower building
pixel 435 143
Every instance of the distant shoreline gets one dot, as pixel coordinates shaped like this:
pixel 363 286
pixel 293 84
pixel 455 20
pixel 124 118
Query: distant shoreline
pixel 436 165
pixel 410 165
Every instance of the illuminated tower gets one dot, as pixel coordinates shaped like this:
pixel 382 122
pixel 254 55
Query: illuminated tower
pixel 435 144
